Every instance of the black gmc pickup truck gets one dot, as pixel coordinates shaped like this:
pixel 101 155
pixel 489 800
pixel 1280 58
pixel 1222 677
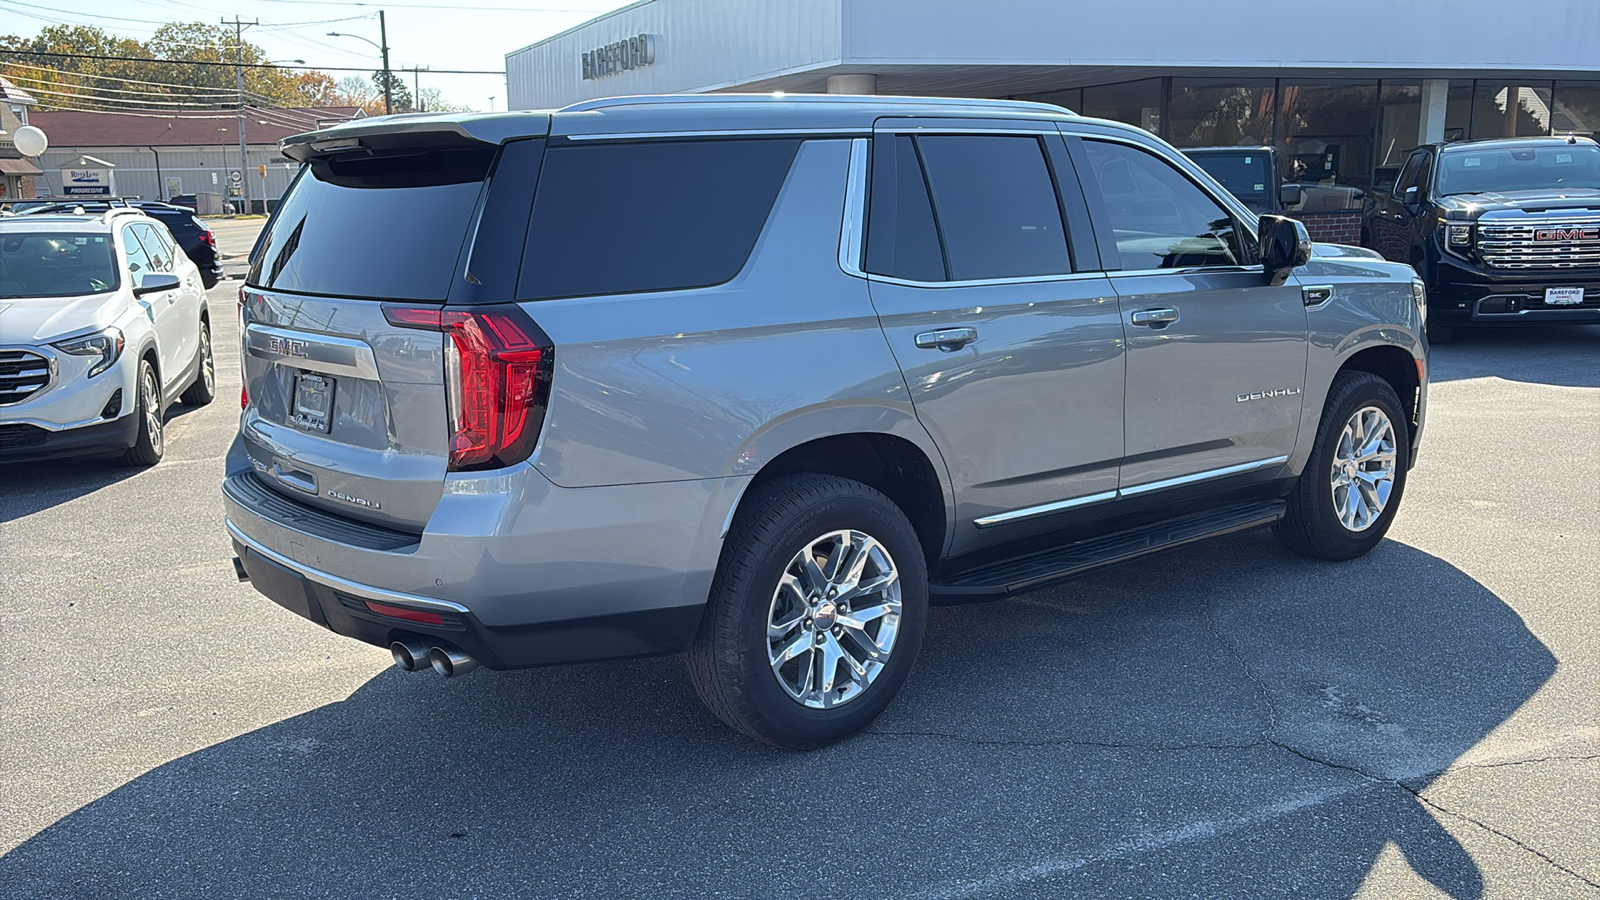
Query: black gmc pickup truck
pixel 1503 232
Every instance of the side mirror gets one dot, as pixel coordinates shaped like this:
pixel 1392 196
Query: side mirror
pixel 1285 246
pixel 154 283
pixel 1289 195
pixel 1409 197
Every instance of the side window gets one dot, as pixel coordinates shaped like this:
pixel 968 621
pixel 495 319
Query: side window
pixel 1424 174
pixel 155 249
pixel 1408 175
pixel 902 241
pixel 1160 219
pixel 650 216
pixel 138 260
pixel 996 207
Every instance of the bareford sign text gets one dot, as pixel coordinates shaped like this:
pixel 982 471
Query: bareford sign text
pixel 619 56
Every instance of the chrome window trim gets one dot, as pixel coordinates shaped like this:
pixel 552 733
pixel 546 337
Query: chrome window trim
pixel 897 125
pixel 365 592
pixel 1043 509
pixel 1029 512
pixel 852 231
pixel 358 361
pixel 801 133
pixel 1200 476
pixel 1190 270
pixel 985 282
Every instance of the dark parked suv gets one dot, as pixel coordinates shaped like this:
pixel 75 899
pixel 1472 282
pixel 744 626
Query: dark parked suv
pixel 1503 232
pixel 758 378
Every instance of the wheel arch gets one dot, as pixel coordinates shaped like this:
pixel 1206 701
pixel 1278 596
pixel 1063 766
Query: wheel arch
pixel 1398 367
pixel 889 463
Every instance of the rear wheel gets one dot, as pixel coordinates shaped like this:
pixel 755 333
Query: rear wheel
pixel 1347 496
pixel 816 613
pixel 204 388
pixel 152 441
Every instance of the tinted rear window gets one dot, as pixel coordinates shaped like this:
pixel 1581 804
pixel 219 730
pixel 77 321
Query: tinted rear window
pixel 387 227
pixel 624 218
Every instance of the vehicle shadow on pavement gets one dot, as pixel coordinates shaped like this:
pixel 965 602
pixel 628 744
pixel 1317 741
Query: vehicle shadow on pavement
pixel 1567 356
pixel 30 487
pixel 1224 720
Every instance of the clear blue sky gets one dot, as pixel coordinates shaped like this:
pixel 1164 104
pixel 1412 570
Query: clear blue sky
pixel 472 34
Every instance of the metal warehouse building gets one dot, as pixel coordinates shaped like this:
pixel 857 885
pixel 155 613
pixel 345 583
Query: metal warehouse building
pixel 1344 91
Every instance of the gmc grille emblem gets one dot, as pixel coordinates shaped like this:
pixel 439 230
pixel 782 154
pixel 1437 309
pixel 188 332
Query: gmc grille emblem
pixel 1567 234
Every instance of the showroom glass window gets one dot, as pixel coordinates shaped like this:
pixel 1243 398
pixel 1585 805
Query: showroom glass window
pixel 1327 137
pixel 1135 102
pixel 1577 108
pixel 1161 219
pixel 1214 112
pixel 1503 109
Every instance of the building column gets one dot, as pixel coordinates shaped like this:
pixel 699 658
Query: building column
pixel 853 84
pixel 1435 99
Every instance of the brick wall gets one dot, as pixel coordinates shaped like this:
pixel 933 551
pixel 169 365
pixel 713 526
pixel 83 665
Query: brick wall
pixel 1333 228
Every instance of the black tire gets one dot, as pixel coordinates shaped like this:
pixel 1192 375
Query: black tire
pixel 152 440
pixel 729 662
pixel 204 388
pixel 1440 334
pixel 1312 527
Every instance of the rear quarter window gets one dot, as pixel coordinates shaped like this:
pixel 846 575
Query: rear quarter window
pixel 657 216
pixel 388 227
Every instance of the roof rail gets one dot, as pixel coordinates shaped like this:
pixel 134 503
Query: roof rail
pixel 691 99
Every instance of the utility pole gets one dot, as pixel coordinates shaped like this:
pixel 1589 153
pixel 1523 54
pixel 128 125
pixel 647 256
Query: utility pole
pixel 416 90
pixel 383 41
pixel 244 163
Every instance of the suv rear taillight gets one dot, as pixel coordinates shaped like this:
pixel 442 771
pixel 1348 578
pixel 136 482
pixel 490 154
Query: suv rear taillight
pixel 208 237
pixel 497 376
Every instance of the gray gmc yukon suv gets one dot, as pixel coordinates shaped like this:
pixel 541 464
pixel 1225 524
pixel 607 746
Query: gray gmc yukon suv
pixel 758 378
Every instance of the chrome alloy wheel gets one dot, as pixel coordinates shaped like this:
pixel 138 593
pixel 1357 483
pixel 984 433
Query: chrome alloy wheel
pixel 833 619
pixel 150 397
pixel 1362 476
pixel 208 366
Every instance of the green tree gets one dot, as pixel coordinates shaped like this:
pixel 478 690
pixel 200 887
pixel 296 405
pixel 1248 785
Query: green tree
pixel 399 94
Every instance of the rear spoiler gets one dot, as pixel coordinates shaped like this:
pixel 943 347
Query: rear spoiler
pixel 441 130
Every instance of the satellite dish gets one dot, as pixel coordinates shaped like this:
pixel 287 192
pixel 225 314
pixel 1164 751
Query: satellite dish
pixel 30 141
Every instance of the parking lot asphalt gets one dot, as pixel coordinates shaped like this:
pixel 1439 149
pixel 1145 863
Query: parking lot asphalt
pixel 1223 721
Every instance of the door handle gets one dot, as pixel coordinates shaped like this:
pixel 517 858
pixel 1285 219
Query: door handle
pixel 1155 318
pixel 946 339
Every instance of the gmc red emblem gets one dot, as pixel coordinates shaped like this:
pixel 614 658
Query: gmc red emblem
pixel 1567 234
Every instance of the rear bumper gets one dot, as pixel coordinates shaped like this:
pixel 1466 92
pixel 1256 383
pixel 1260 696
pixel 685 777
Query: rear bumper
pixel 341 606
pixel 1467 294
pixel 523 572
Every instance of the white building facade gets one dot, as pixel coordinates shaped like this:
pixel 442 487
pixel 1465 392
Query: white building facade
pixel 1344 90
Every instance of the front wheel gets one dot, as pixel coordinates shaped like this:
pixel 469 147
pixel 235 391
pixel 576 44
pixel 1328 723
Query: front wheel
pixel 1347 496
pixel 816 613
pixel 152 441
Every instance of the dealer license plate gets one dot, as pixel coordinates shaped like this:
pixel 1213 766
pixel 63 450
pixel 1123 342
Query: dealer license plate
pixel 313 402
pixel 1566 296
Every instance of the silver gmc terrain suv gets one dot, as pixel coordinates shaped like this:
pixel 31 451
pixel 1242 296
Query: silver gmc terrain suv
pixel 758 378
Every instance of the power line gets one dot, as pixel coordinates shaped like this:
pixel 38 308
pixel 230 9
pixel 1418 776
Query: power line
pixel 166 84
pixel 208 95
pixel 196 62
pixel 452 7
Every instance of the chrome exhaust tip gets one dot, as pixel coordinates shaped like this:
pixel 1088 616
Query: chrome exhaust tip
pixel 451 663
pixel 409 656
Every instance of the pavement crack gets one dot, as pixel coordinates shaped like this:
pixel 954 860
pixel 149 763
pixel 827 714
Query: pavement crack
pixel 1250 673
pixel 1517 762
pixel 1501 834
pixel 1069 742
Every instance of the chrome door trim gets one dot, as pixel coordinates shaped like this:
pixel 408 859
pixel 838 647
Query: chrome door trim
pixel 365 592
pixel 852 238
pixel 1075 502
pixel 313 352
pixel 1190 270
pixel 1044 509
pixel 1200 476
pixel 986 282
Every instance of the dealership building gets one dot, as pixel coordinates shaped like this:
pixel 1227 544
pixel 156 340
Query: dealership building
pixel 1343 93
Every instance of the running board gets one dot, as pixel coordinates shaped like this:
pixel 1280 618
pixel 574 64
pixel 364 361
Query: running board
pixel 1033 570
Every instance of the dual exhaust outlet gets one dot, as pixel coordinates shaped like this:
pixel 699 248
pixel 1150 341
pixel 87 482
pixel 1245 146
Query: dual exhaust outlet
pixel 411 656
